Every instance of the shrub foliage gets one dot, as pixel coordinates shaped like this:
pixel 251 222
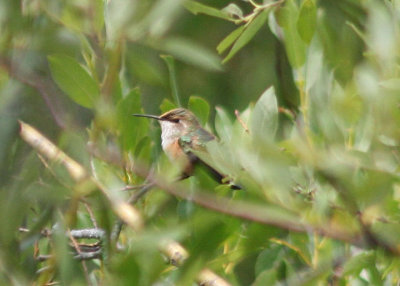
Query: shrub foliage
pixel 303 96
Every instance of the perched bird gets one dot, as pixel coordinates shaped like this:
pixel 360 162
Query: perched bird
pixel 181 133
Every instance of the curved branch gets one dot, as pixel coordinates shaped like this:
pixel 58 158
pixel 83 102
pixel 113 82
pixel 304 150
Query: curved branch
pixel 265 214
pixel 126 212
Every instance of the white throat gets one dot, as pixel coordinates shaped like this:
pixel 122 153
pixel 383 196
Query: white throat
pixel 169 133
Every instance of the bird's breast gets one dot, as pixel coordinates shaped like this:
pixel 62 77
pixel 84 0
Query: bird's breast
pixel 169 134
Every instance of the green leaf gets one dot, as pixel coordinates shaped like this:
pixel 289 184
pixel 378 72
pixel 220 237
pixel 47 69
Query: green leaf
pixel 295 46
pixel 264 120
pixel 223 125
pixel 192 53
pixel 233 11
pixel 267 259
pixel 198 8
pixel 230 39
pixel 126 269
pixel 74 80
pixel 248 34
pixel 131 128
pixel 143 149
pixel 307 20
pixel 355 264
pixel 268 277
pixel 110 179
pixel 98 17
pixel 166 105
pixel 200 108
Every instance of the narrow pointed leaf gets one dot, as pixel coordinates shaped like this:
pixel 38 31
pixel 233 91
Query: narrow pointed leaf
pixel 248 34
pixel 264 120
pixel 230 39
pixel 198 8
pixel 294 45
pixel 132 129
pixel 74 80
pixel 191 53
pixel 307 20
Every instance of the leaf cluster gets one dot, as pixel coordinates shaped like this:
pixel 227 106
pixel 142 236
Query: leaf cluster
pixel 306 96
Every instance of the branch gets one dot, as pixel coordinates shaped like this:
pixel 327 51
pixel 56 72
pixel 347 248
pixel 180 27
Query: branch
pixel 132 200
pixel 244 125
pixel 52 152
pixel 124 211
pixel 80 256
pixel 255 212
pixel 370 238
pixel 96 233
pixel 78 250
pixel 46 148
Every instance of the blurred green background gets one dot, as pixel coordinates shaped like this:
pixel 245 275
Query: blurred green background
pixel 315 144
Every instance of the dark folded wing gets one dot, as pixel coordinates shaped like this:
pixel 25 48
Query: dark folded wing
pixel 196 142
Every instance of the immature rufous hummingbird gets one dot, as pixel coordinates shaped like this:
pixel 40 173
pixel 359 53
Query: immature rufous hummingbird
pixel 181 132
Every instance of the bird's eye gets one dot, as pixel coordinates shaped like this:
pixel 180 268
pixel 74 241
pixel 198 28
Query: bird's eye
pixel 176 120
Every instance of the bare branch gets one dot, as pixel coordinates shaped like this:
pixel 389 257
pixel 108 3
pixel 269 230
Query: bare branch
pixel 132 200
pixel 80 256
pixel 126 212
pixel 97 233
pixel 84 266
pixel 244 125
pixel 254 212
pixel 52 152
pixel 45 147
pixel 91 214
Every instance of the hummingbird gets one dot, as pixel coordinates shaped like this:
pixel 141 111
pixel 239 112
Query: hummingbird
pixel 182 133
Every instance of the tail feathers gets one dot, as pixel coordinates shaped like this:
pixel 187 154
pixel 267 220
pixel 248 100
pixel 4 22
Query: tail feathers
pixel 214 173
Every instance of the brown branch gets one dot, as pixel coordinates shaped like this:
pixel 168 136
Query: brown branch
pixel 254 212
pixel 211 279
pixel 81 256
pixel 78 250
pixel 45 147
pixel 91 214
pixel 132 200
pixel 370 238
pixel 124 211
pixel 263 214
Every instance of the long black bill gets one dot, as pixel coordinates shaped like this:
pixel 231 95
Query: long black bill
pixel 148 116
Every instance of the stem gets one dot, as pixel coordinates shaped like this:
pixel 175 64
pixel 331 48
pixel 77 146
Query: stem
pixel 304 105
pixel 122 209
pixel 169 60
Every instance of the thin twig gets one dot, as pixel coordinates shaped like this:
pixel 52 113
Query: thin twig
pixel 81 256
pixel 45 147
pixel 122 209
pixel 89 233
pixel 86 248
pixel 254 212
pixel 370 238
pixel 91 214
pixel 44 257
pixel 89 255
pixel 96 233
pixel 257 10
pixel 137 195
pixel 84 266
pixel 132 200
pixel 244 125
